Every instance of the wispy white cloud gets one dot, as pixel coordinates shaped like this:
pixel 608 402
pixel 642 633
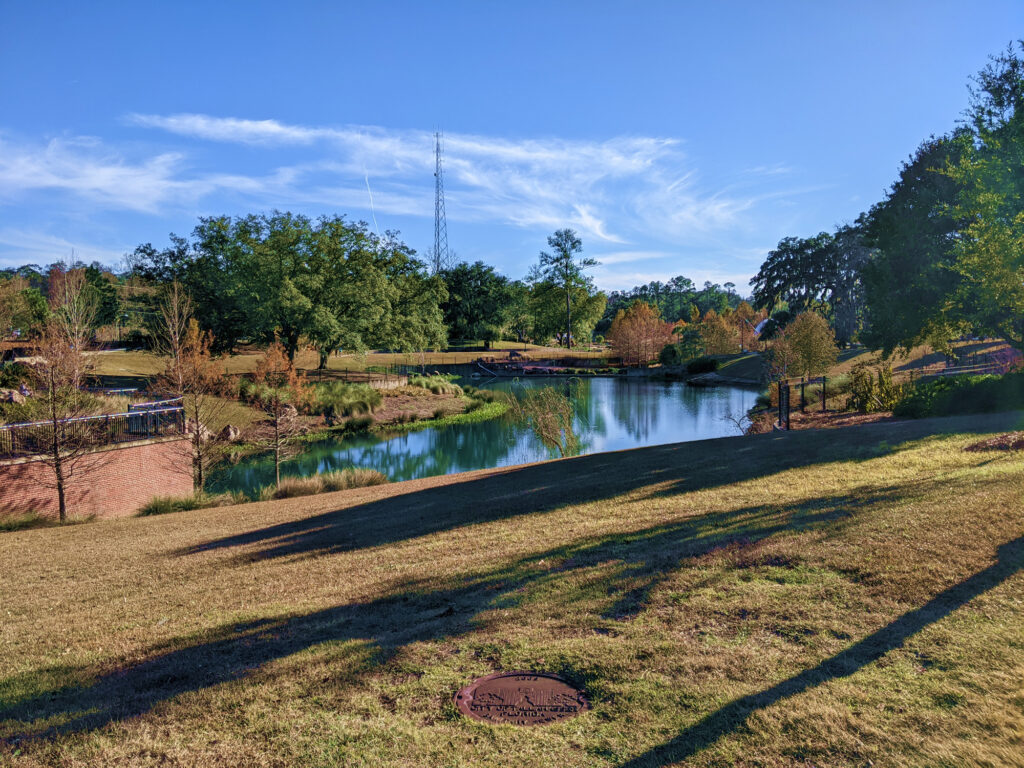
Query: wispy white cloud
pixel 229 129
pixel 606 189
pixel 632 192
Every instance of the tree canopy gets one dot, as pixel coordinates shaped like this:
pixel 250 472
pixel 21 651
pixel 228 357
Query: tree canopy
pixel 330 282
pixel 562 269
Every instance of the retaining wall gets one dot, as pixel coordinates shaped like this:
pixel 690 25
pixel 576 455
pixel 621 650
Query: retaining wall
pixel 114 481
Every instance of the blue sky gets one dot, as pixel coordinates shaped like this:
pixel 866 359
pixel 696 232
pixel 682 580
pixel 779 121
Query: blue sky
pixel 676 137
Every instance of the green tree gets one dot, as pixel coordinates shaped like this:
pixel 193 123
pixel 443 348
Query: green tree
pixel 328 283
pixel 989 174
pixel 910 279
pixel 478 302
pixel 103 285
pixel 518 317
pixel 812 344
pixel 563 268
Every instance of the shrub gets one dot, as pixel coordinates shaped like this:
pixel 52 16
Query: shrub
pixel 13 374
pixel 670 354
pixel 359 424
pixel 439 413
pixel 951 395
pixel 136 339
pixel 702 365
pixel 486 395
pixel 873 393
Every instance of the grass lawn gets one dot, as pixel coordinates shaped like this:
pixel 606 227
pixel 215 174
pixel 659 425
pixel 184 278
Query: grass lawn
pixel 748 365
pixel 125 367
pixel 819 597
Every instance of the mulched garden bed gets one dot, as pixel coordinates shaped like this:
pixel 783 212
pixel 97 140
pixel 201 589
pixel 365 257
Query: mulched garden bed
pixel 1011 441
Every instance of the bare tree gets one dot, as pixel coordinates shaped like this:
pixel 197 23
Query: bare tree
pixel 172 326
pixel 64 440
pixel 73 308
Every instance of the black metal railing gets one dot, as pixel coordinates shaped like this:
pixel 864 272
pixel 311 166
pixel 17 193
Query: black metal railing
pixel 34 438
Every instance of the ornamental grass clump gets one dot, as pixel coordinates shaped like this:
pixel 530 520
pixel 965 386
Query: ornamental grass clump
pixel 162 505
pixel 338 399
pixel 438 385
pixel 326 482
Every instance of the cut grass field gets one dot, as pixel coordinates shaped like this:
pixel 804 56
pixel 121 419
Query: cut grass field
pixel 789 599
pixel 124 366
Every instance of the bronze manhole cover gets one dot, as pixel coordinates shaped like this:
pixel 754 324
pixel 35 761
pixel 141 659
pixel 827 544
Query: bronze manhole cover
pixel 521 698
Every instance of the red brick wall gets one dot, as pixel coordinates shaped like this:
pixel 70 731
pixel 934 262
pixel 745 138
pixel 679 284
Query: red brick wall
pixel 114 482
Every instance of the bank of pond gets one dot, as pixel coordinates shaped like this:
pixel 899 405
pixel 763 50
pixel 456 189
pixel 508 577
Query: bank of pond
pixel 610 414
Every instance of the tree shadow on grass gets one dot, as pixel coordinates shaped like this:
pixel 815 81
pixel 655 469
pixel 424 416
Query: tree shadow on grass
pixel 1010 560
pixel 673 469
pixel 630 565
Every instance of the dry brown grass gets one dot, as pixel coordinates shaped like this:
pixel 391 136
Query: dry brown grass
pixel 326 482
pixel 146 364
pixel 820 597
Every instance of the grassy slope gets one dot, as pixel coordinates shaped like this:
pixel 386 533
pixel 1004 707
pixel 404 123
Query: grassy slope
pixel 773 600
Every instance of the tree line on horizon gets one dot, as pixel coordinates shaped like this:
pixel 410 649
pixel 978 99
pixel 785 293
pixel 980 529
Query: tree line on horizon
pixel 331 284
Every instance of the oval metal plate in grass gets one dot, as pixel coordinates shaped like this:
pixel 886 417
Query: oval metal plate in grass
pixel 521 698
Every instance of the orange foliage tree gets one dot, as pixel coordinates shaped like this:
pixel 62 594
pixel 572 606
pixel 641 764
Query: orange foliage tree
pixel 638 333
pixel 280 392
pixel 193 375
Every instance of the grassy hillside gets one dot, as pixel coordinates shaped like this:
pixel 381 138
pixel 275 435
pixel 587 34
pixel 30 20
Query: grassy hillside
pixel 791 599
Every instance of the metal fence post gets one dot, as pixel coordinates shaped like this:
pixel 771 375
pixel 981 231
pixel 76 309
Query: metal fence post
pixel 803 399
pixel 824 383
pixel 779 419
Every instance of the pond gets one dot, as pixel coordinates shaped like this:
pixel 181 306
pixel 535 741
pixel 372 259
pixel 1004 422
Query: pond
pixel 611 414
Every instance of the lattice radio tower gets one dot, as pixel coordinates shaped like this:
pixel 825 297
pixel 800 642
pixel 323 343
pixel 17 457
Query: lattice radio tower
pixel 441 255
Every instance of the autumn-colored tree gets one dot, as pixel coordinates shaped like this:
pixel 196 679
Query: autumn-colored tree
pixel 198 379
pixel 638 333
pixel 813 344
pixel 279 393
pixel 781 357
pixel 744 318
pixel 65 443
pixel 718 334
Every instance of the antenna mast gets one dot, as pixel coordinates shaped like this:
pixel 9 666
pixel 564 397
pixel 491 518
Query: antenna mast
pixel 442 259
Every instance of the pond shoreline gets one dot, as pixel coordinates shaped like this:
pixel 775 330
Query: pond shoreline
pixel 625 412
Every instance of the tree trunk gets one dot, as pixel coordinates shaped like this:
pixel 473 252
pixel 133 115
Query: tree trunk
pixel 61 501
pixel 55 447
pixel 198 481
pixel 277 447
pixel 568 322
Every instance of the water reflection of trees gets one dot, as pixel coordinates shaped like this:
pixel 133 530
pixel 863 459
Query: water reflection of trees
pixel 637 411
pixel 635 406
